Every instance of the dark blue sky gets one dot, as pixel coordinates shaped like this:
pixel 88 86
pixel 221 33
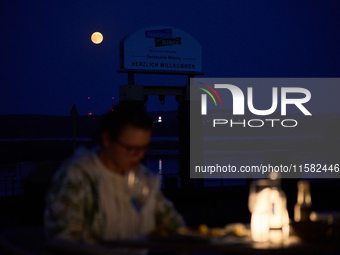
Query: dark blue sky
pixel 49 62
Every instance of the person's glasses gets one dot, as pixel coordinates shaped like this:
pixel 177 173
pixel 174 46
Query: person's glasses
pixel 130 149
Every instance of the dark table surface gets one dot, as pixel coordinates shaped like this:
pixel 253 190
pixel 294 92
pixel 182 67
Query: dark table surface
pixel 32 241
pixel 232 245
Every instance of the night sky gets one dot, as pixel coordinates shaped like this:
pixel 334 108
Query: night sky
pixel 49 62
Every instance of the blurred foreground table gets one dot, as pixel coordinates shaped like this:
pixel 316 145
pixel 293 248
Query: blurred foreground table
pixel 29 241
pixel 232 245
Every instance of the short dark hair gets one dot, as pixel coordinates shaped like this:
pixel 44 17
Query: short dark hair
pixel 125 113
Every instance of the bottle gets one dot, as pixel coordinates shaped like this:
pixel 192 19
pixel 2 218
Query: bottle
pixel 278 214
pixel 303 207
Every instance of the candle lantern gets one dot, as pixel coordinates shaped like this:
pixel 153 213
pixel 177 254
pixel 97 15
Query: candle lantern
pixel 269 216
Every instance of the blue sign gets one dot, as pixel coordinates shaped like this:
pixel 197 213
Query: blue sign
pixel 161 33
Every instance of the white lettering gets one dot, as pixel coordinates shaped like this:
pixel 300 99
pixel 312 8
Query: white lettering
pixel 219 121
pixel 252 122
pixel 298 101
pixel 262 112
pixel 258 120
pixel 238 123
pixel 238 97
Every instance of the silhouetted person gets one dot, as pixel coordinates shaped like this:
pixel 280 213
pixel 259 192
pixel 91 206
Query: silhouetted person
pixel 106 193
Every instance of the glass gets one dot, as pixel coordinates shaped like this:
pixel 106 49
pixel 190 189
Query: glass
pixel 138 189
pixel 258 206
pixel 255 188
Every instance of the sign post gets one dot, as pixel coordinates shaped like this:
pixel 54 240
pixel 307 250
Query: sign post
pixel 74 115
pixel 163 50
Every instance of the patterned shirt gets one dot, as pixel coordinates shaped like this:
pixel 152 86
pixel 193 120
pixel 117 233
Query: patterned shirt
pixel 88 202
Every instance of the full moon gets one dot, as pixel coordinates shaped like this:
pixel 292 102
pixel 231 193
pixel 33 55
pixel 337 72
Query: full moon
pixel 96 37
